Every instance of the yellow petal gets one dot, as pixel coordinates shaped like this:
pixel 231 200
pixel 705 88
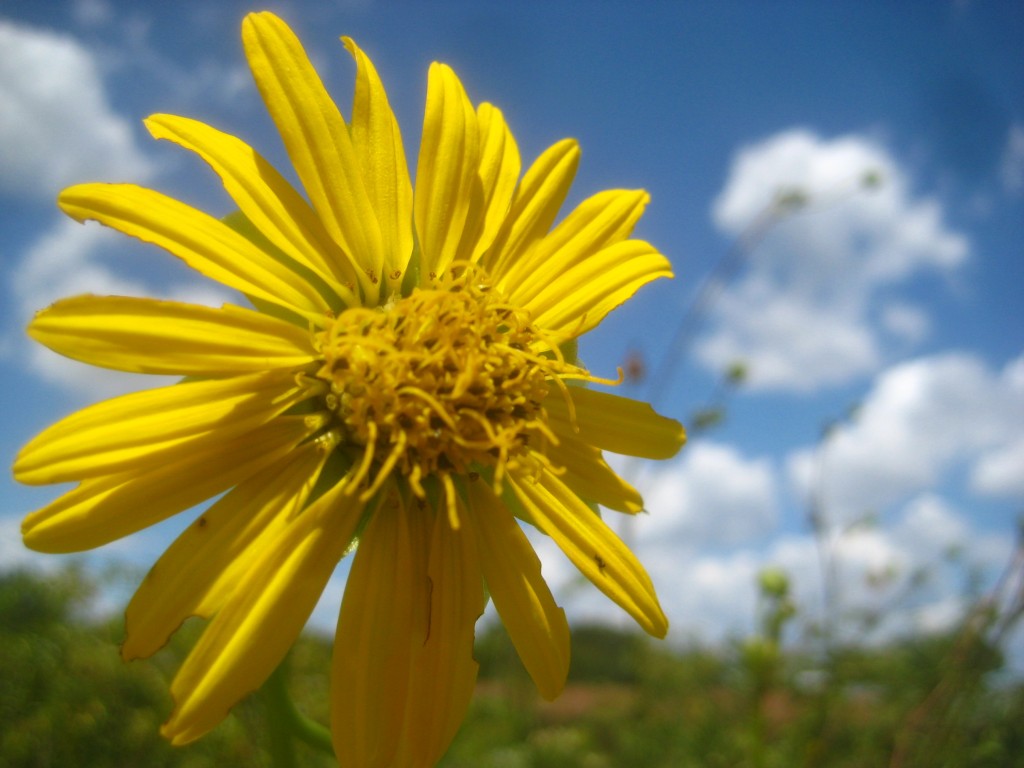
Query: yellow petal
pixel 512 570
pixel 534 206
pixel 208 561
pixel 103 509
pixel 602 220
pixel 590 477
pixel 207 245
pixel 250 635
pixel 144 429
pixel 264 197
pixel 616 424
pixel 446 173
pixel 385 601
pixel 498 174
pixel 592 547
pixel 377 141
pixel 317 141
pixel 442 672
pixel 578 299
pixel 166 337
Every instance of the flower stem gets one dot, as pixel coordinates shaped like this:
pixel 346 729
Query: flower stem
pixel 285 723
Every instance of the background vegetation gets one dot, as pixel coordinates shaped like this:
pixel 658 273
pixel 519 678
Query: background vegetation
pixel 66 698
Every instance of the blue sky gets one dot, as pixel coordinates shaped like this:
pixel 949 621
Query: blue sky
pixel 903 300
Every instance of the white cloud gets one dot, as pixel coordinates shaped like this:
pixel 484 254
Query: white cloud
pixel 714 510
pixel 63 262
pixel 931 528
pixel 86 383
pixel 66 261
pixel 805 313
pixel 706 598
pixel 786 343
pixel 890 581
pixel 912 576
pixel 921 420
pixel 711 495
pixel 1012 163
pixel 92 13
pixel 1000 472
pixel 905 322
pixel 57 126
pixel 711 498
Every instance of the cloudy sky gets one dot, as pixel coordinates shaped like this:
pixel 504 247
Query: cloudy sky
pixel 840 187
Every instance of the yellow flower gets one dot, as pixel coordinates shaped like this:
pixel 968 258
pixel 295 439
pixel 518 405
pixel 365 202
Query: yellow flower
pixel 406 380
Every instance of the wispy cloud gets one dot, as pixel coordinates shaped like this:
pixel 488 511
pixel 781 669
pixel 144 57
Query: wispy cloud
pixel 697 508
pixel 1012 163
pixel 67 261
pixel 899 544
pixel 922 421
pixel 57 125
pixel 92 13
pixel 892 580
pixel 806 312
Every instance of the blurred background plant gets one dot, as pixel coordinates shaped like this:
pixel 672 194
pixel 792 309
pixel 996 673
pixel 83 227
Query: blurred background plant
pixel 67 699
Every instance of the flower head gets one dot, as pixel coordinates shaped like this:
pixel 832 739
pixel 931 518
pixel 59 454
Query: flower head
pixel 406 379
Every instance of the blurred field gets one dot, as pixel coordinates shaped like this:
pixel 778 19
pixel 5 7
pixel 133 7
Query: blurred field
pixel 66 699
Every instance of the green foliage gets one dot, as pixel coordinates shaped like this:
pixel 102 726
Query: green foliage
pixel 925 701
pixel 67 699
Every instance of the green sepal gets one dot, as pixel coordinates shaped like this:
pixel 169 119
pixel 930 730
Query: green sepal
pixel 570 350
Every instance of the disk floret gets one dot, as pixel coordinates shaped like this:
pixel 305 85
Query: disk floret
pixel 447 380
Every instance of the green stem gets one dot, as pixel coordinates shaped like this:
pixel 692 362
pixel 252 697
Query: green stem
pixel 276 705
pixel 285 723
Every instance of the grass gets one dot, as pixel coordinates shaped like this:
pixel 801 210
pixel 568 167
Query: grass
pixel 67 700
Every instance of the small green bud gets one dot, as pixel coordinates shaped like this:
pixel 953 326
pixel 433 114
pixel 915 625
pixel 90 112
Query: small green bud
pixel 773 583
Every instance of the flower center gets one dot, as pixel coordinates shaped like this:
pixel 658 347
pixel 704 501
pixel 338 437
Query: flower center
pixel 442 382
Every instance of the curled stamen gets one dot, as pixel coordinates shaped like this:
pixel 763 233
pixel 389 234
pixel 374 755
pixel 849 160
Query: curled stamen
pixel 364 465
pixel 414 481
pixel 384 471
pixel 451 500
pixel 569 404
pixel 446 378
pixel 541 426
pixel 545 461
pixel 439 409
